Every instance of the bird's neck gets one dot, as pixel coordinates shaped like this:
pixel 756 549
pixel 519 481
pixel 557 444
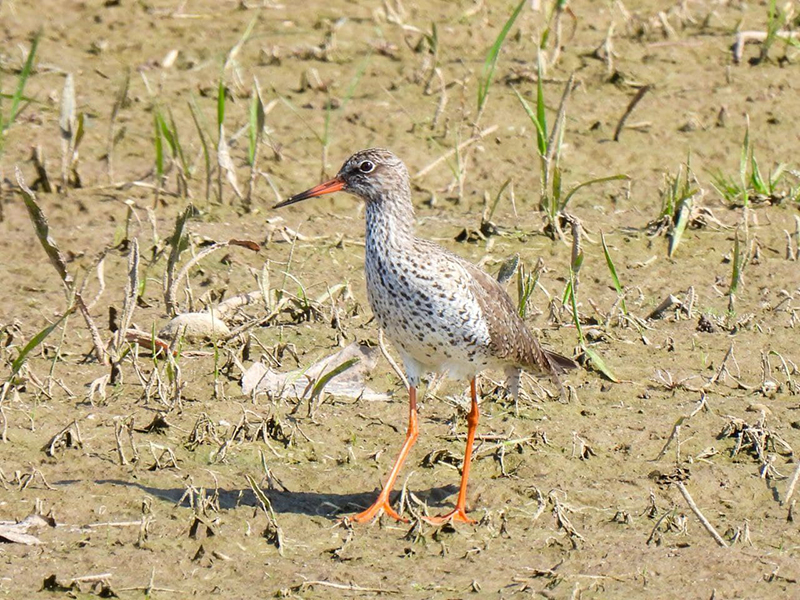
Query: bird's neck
pixel 390 221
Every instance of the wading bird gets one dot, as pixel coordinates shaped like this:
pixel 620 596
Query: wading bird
pixel 443 314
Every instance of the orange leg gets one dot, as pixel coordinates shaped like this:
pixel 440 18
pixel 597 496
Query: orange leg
pixel 459 513
pixel 382 503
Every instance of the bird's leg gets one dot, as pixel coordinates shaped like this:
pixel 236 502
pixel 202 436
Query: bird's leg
pixel 459 513
pixel 382 503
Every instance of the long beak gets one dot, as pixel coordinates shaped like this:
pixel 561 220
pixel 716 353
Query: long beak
pixel 334 185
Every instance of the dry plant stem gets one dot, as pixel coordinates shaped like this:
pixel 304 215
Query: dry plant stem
pixel 676 430
pixel 636 99
pixel 608 49
pixel 703 521
pixel 101 280
pixel 251 182
pixel 792 484
pixel 99 348
pixel 556 28
pixel 552 146
pixel 172 261
pixel 757 36
pixel 2 196
pixel 657 525
pixel 474 138
pixel 4 429
pixel 791 253
pixel 67 124
pixel 392 363
pixel 352 587
pixel 118 439
pixel 577 250
pixel 90 578
pixel 440 106
pixel 225 163
pixel 128 306
pixel 173 287
pixel 42 229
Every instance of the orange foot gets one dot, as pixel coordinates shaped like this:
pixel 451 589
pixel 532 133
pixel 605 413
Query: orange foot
pixel 380 505
pixel 457 514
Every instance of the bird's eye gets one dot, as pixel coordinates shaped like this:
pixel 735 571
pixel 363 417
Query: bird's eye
pixel 366 166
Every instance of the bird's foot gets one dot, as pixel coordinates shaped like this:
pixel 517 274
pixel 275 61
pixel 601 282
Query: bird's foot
pixel 380 505
pixel 455 515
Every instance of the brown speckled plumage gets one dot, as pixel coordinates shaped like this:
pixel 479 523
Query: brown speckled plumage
pixel 442 313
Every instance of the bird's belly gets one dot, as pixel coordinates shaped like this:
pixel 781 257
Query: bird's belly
pixel 436 326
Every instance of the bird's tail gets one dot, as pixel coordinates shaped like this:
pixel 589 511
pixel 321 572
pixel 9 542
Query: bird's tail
pixel 559 364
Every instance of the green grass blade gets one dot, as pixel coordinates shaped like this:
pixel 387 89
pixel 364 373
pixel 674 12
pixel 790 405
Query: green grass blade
pixel 42 228
pixel 2 126
pixel 756 180
pixel 22 80
pixel 594 357
pixel 574 303
pixel 323 381
pixel 178 147
pixel 256 123
pixel 433 38
pixel 79 129
pixel 567 298
pixel 491 57
pixel 600 364
pixel 34 342
pixel 497 199
pixel 541 116
pixel 237 47
pixel 684 211
pixel 541 135
pixel 613 270
pixel 166 132
pixel 220 103
pixel 743 163
pixel 158 144
pixel 568 197
pixel 6 96
pixel 736 268
pixel 555 196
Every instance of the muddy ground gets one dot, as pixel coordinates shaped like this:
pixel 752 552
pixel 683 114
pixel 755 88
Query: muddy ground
pixel 574 495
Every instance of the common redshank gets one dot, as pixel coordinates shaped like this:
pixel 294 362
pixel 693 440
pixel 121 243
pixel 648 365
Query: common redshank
pixel 443 314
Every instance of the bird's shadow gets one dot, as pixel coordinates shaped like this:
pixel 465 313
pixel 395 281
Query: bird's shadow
pixel 328 505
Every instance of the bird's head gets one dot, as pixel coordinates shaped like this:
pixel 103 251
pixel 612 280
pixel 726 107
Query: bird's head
pixel 372 175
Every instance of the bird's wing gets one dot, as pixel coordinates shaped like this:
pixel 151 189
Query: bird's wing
pixel 510 339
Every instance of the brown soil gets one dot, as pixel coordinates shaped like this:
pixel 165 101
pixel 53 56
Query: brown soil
pixel 593 458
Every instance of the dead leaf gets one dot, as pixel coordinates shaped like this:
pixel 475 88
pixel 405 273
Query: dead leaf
pixel 299 383
pixel 16 533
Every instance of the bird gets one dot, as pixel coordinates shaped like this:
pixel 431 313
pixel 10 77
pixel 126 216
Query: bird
pixel 442 313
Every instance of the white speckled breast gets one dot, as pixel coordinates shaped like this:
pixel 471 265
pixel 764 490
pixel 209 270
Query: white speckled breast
pixel 423 302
